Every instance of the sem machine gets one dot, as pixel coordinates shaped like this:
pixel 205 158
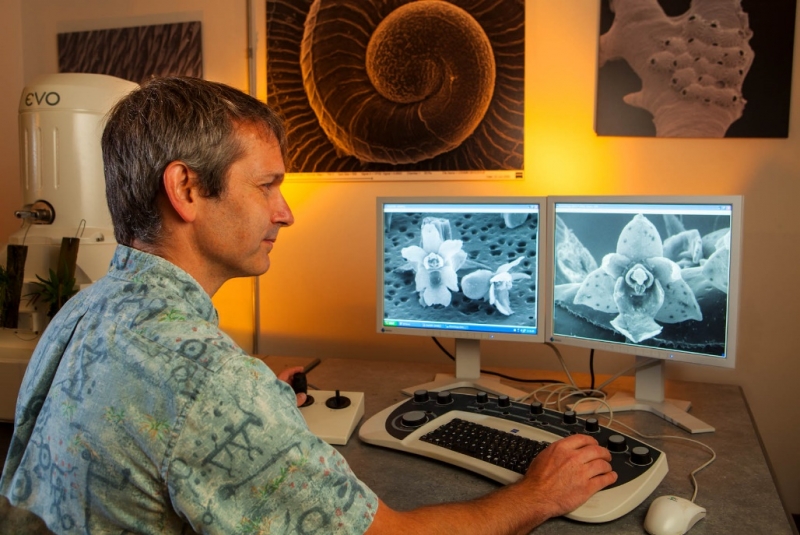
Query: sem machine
pixel 61 118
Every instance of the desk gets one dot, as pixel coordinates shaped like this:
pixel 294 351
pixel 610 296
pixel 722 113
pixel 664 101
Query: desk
pixel 737 489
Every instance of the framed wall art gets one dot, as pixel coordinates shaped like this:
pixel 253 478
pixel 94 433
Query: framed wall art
pixel 695 68
pixel 399 90
pixel 135 53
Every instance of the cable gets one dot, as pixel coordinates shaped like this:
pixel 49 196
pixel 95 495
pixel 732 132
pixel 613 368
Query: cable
pixel 590 395
pixel 695 486
pixel 498 374
pixel 563 364
pixel 642 364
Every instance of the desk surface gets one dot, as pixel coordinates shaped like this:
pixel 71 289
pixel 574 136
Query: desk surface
pixel 737 489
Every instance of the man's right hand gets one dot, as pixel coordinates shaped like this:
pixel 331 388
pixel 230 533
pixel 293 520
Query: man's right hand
pixel 570 471
pixel 561 478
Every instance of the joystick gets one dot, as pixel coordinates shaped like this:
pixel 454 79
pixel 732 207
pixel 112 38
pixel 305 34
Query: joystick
pixel 337 402
pixel 334 420
pixel 300 383
pixel 300 386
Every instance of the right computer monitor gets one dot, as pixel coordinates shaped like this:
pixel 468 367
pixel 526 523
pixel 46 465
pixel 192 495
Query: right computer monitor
pixel 652 276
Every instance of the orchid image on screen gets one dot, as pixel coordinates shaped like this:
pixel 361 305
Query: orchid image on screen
pixel 646 283
pixel 436 262
pixel 493 286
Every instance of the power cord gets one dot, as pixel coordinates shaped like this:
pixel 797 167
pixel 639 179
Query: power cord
pixel 498 374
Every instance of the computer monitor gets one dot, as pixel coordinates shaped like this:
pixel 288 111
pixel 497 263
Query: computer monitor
pixel 656 277
pixel 467 268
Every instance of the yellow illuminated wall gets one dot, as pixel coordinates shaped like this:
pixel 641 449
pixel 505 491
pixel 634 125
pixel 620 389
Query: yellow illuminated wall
pixel 319 297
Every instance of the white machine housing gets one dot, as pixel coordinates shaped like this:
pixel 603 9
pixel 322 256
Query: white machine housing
pixel 61 120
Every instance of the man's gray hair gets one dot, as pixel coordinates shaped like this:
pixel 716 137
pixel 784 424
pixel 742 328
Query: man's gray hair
pixel 174 119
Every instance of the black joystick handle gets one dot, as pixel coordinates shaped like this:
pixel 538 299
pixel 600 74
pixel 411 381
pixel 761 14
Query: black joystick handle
pixel 337 402
pixel 300 386
pixel 300 383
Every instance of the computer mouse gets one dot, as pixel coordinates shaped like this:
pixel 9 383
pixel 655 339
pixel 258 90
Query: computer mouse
pixel 672 515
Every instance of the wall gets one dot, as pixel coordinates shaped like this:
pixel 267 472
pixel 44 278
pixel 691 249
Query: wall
pixel 319 297
pixel 10 91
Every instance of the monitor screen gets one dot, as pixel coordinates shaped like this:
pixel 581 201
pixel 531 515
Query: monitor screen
pixel 460 267
pixel 650 276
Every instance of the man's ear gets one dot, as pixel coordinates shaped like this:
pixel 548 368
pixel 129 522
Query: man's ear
pixel 180 184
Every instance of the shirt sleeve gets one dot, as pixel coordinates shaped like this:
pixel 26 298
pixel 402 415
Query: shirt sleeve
pixel 246 463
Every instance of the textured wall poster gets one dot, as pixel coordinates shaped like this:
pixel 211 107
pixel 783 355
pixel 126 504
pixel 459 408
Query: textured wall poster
pixel 695 68
pixel 398 89
pixel 136 53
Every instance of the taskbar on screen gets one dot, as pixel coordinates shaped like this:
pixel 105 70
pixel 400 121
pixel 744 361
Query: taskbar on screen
pixel 436 326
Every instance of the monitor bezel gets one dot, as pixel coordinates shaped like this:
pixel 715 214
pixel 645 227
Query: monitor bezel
pixel 542 263
pixel 734 293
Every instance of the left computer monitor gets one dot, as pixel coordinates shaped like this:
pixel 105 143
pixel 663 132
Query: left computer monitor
pixel 468 268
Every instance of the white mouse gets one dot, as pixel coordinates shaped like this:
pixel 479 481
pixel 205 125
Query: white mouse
pixel 671 515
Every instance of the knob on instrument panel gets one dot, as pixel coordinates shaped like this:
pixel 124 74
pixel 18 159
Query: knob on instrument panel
pixel 641 456
pixel 420 396
pixel 617 444
pixel 444 398
pixel 592 425
pixel 413 419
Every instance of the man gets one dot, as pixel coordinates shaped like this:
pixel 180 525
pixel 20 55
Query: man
pixel 138 415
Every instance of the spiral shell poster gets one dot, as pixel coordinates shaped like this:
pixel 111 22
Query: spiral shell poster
pixel 695 68
pixel 398 89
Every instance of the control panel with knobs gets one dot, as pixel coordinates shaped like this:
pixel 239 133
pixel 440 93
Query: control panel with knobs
pixel 451 426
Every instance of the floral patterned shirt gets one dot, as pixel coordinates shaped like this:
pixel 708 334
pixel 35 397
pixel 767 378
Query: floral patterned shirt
pixel 137 414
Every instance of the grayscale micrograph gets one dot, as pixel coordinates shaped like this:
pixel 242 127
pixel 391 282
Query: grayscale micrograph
pixel 477 268
pixel 657 280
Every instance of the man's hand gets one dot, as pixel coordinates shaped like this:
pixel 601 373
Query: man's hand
pixel 569 471
pixel 286 376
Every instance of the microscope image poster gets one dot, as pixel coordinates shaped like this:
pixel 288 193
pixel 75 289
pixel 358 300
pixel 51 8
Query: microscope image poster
pixel 399 90
pixel 136 53
pixel 695 69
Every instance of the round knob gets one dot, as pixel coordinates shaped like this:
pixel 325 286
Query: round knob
pixel 570 417
pixel 420 396
pixel 413 419
pixel 482 397
pixel 617 444
pixel 641 456
pixel 537 407
pixel 503 401
pixel 444 398
pixel 592 425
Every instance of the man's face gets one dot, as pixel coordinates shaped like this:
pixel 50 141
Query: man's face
pixel 238 230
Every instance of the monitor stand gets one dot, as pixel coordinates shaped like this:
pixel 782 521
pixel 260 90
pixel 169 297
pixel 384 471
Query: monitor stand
pixel 468 375
pixel 649 397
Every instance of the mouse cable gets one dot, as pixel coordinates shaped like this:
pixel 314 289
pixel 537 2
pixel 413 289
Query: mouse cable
pixel 610 417
pixel 498 374
pixel 675 437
